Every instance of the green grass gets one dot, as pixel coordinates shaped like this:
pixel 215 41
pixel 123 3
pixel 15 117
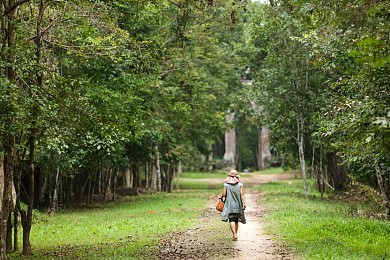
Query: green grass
pixel 322 229
pixel 204 175
pixel 198 180
pixel 126 230
pixel 120 230
pixel 272 171
pixel 223 174
pixel 198 185
pixel 315 228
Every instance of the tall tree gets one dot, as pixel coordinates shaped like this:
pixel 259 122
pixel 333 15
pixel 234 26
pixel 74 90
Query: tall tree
pixel 9 110
pixel 333 58
pixel 352 45
pixel 287 85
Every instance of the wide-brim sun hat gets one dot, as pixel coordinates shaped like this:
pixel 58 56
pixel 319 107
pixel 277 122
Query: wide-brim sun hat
pixel 232 177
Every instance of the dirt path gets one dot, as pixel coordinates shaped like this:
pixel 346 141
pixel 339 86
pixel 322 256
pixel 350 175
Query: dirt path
pixel 253 243
pixel 211 239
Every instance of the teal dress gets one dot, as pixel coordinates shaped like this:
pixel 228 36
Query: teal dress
pixel 233 203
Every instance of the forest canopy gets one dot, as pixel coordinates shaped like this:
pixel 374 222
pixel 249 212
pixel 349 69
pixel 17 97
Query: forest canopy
pixel 101 95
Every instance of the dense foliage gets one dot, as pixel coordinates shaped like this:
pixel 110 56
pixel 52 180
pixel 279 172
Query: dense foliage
pixel 97 95
pixel 321 73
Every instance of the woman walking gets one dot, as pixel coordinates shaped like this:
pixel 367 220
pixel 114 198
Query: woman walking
pixel 235 203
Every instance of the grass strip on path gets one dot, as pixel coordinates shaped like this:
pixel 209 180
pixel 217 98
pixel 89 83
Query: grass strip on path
pixel 320 228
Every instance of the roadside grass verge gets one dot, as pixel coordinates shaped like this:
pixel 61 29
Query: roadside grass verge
pixel 222 174
pixel 204 175
pixel 320 228
pixel 199 180
pixel 276 170
pixel 120 230
pixel 189 185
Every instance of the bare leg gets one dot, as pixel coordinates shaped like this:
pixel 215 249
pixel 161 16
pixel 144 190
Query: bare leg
pixel 234 229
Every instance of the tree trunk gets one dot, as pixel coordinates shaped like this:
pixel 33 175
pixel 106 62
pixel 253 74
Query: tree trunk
pixel 237 158
pixel 313 170
pixel 82 191
pixel 300 140
pixel 70 190
pixel 16 227
pixel 128 180
pixel 9 234
pixel 26 237
pixel 147 174
pixel 89 196
pixel 42 199
pixel 93 182
pixel 321 173
pixel 158 170
pixel 6 198
pixel 260 162
pixel 54 205
pixel 338 172
pixel 164 179
pixel 27 219
pixel 1 181
pixel 10 226
pixel 114 183
pixel 383 187
pixel 17 183
pixel 230 156
pixel 170 173
pixel 153 179
pixel 179 172
pixel 107 183
pixel 100 180
pixel 46 190
pixel 90 178
pixel 8 36
pixel 137 176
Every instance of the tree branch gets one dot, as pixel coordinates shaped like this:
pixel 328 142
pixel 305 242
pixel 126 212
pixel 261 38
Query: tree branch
pixel 327 184
pixel 14 6
pixel 174 3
